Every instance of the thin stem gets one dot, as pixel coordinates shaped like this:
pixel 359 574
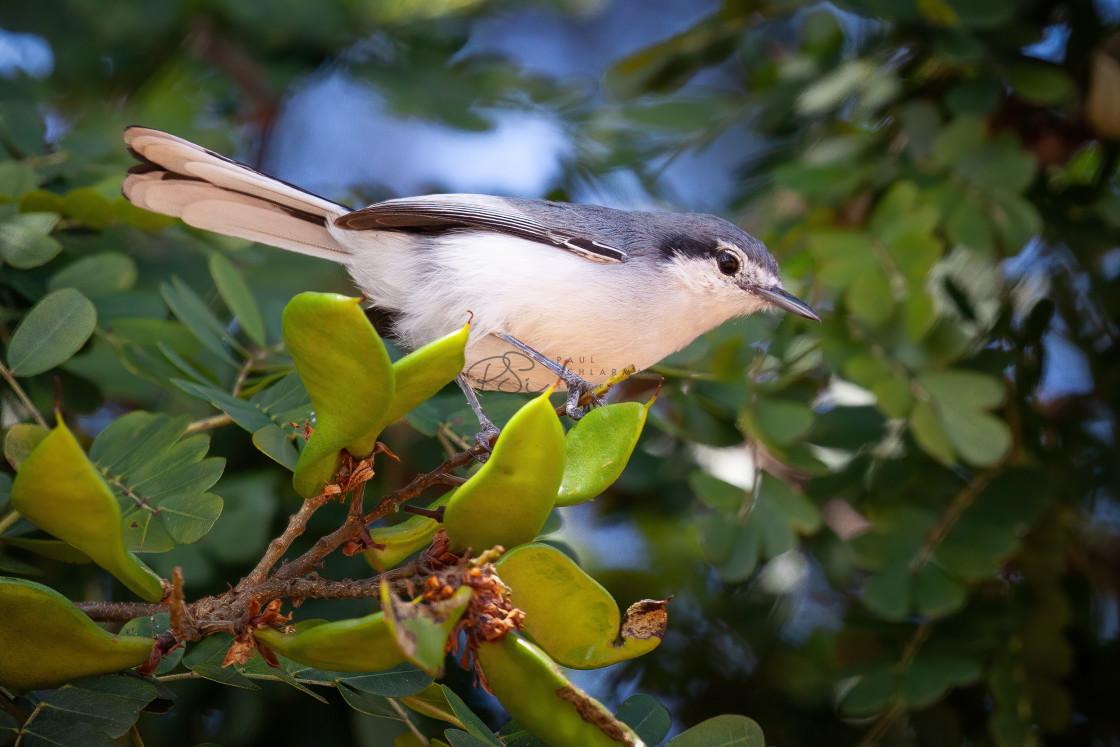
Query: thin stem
pixel 22 395
pixel 297 525
pixel 205 424
pixel 8 520
pixel 408 722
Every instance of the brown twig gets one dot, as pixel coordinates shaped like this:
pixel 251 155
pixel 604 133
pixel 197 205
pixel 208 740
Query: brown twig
pixel 297 580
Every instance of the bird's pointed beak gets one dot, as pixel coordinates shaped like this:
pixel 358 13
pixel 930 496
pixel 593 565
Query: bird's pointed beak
pixel 789 302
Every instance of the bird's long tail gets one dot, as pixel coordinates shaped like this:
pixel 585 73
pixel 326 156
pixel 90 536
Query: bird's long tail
pixel 209 191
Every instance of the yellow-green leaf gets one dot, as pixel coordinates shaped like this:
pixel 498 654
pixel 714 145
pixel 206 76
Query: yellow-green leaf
pixel 507 501
pixel 535 692
pixel 362 644
pixel 544 580
pixel 597 449
pixel 58 490
pixel 347 374
pixel 403 539
pixel 425 371
pixel 48 641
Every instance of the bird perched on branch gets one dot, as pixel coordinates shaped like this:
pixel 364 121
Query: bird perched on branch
pixel 548 283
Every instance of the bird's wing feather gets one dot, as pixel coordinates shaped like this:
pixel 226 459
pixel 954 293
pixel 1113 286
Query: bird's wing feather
pixel 446 212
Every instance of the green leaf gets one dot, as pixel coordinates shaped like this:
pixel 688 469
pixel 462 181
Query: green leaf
pixel 935 593
pixel 843 255
pixel 783 421
pixel 188 517
pixel 728 730
pixel 16 179
pixel 108 705
pixel 51 332
pixel 367 703
pixel 981 439
pixel 458 738
pixel 871 693
pixel 968 225
pixel 929 434
pixel 48 641
pixel 648 718
pixel 887 592
pixel 52 549
pixel 274 443
pixel 1040 83
pixel 472 723
pixel 238 297
pixel 998 164
pixel 89 207
pixel 870 297
pixel 398 682
pixel 960 399
pixel 58 490
pixel 714 492
pixel 929 676
pixel 968 390
pixel 147 459
pixel 959 140
pixel 193 312
pixel 1016 219
pixel 24 240
pixel 597 449
pixel 96 275
pixel 347 374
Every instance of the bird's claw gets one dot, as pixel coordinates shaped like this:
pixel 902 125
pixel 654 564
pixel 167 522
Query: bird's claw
pixel 483 448
pixel 578 389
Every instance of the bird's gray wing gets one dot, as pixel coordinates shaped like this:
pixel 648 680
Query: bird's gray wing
pixel 438 213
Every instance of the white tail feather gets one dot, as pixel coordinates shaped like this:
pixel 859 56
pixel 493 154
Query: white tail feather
pixel 210 192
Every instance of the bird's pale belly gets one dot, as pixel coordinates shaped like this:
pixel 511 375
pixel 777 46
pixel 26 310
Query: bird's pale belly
pixel 494 365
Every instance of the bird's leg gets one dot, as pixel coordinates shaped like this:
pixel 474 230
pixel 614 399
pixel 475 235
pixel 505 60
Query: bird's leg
pixel 489 430
pixel 577 387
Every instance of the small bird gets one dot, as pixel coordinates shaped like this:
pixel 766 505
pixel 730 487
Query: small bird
pixel 552 289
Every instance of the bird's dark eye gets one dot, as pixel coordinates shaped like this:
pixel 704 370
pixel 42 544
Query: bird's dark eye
pixel 728 262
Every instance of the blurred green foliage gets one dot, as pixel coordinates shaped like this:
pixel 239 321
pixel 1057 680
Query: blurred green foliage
pixel 926 553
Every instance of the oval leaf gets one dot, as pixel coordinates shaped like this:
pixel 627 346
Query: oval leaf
pixel 52 331
pixel 597 449
pixel 96 275
pixel 728 730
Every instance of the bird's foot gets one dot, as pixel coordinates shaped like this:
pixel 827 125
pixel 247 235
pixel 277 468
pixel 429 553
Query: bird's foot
pixel 484 442
pixel 581 395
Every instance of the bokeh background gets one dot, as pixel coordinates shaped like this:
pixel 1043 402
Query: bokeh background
pixel 897 527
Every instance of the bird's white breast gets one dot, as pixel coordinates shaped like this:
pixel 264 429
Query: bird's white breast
pixel 599 317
